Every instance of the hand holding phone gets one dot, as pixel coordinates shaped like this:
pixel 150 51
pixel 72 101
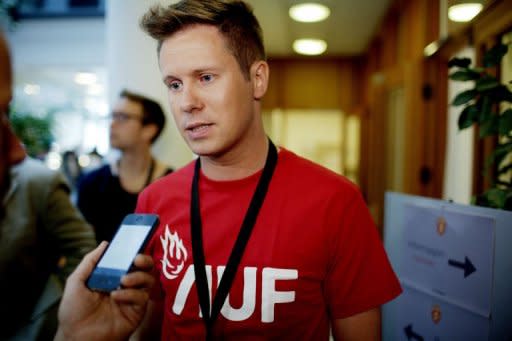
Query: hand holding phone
pixel 129 240
pixel 88 315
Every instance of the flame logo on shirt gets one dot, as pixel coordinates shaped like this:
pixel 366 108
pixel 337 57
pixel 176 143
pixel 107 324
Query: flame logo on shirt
pixel 175 254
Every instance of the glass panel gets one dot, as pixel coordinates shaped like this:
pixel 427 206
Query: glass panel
pixel 327 137
pixel 77 107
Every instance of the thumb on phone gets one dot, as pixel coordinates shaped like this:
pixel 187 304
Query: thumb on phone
pixel 84 269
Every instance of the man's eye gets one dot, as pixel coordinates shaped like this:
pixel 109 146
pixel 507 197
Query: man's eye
pixel 174 85
pixel 207 78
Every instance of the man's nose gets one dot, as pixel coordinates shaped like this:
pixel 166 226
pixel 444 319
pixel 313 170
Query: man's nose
pixel 190 99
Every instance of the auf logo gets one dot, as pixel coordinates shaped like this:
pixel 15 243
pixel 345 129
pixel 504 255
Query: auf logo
pixel 175 254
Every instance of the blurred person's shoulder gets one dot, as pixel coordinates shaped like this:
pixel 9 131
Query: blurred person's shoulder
pixel 33 169
pixel 95 174
pixel 36 175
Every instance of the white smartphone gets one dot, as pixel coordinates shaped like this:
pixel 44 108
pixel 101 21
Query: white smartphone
pixel 117 260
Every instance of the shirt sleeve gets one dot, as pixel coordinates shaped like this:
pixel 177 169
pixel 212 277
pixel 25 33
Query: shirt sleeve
pixel 71 236
pixel 360 276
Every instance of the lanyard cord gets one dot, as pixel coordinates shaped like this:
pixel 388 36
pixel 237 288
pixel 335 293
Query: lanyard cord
pixel 150 172
pixel 238 248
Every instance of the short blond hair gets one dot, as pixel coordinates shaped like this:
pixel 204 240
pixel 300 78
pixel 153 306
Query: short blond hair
pixel 234 19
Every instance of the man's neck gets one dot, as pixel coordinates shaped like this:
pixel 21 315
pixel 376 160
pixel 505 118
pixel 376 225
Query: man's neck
pixel 134 170
pixel 237 164
pixel 135 161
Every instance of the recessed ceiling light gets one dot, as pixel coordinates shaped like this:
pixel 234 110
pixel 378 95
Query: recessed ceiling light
pixel 464 12
pixel 309 12
pixel 310 47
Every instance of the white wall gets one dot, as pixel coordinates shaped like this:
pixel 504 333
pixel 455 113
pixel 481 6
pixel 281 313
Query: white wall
pixel 58 42
pixel 132 63
pixel 459 146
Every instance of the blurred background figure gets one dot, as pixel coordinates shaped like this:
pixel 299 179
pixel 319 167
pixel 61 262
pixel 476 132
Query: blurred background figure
pixel 71 168
pixel 107 194
pixel 42 235
pixel 95 159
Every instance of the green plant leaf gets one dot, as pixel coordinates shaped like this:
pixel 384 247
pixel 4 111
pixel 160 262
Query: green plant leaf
pixel 505 169
pixel 484 107
pixel 459 62
pixel 486 83
pixel 34 132
pixel 498 155
pixel 464 97
pixel 467 117
pixel 506 122
pixel 494 55
pixel 500 94
pixel 503 184
pixel 465 75
pixel 495 197
pixel 502 150
pixel 490 126
pixel 508 201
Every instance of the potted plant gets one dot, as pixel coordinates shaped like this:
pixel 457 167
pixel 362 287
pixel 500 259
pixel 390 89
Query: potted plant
pixel 487 105
pixel 35 132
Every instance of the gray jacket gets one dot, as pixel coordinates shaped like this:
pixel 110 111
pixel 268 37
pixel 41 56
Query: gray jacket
pixel 40 228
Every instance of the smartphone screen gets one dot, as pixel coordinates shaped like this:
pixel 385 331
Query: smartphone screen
pixel 129 240
pixel 124 247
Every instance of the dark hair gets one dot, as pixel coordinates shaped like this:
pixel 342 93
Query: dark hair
pixel 152 112
pixel 234 19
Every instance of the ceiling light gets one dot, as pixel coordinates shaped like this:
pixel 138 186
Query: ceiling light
pixel 309 12
pixel 310 47
pixel 85 78
pixel 464 12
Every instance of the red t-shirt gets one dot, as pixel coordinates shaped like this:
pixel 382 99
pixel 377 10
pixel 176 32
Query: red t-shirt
pixel 314 253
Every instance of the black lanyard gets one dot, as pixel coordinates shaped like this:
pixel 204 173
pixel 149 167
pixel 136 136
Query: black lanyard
pixel 238 248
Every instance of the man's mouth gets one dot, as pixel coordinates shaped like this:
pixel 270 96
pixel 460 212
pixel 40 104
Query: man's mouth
pixel 198 127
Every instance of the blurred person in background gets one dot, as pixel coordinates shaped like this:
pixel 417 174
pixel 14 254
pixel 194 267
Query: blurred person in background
pixel 42 235
pixel 108 193
pixel 72 170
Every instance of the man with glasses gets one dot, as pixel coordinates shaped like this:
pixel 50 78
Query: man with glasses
pixel 108 193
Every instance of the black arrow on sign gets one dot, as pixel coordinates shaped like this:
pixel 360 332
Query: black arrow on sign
pixel 468 267
pixel 412 335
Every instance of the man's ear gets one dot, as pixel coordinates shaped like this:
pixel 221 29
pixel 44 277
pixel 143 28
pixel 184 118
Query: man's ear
pixel 259 77
pixel 149 131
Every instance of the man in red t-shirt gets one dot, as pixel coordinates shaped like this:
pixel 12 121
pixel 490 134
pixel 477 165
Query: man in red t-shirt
pixel 254 241
pixel 312 257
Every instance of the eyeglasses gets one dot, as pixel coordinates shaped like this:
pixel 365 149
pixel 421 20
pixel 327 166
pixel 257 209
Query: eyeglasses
pixel 124 117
